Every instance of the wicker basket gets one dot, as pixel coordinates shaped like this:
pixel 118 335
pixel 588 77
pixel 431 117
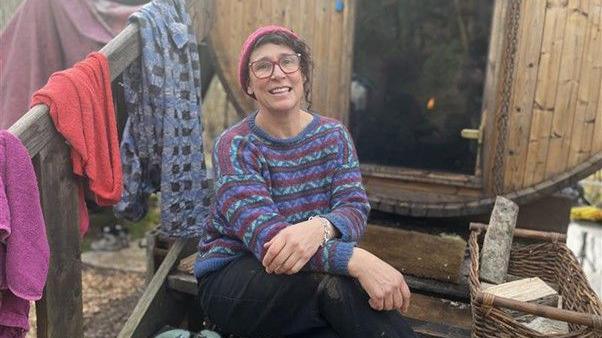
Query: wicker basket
pixel 550 260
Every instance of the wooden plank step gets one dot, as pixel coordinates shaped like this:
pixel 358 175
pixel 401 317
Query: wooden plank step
pixel 411 252
pixel 429 316
pixel 443 289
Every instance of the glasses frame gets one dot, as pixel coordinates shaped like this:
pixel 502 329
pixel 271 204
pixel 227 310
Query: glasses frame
pixel 274 64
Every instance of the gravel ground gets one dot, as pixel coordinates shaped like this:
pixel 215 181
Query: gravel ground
pixel 109 297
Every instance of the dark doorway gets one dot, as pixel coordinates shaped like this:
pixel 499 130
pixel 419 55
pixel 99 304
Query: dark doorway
pixel 418 75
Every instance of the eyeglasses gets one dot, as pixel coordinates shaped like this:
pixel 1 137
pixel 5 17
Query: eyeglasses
pixel 288 63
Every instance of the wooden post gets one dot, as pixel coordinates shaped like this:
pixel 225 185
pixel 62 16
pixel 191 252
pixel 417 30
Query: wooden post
pixel 498 241
pixel 157 307
pixel 59 312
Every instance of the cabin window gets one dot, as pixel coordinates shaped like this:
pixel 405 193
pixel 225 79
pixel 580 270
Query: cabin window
pixel 418 76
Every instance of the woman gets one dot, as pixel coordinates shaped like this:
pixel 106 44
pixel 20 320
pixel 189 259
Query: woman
pixel 278 257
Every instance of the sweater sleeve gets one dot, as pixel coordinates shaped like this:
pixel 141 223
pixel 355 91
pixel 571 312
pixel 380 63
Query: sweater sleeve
pixel 244 202
pixel 348 204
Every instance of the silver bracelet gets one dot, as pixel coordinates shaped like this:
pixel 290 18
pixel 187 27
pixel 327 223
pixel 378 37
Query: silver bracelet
pixel 325 226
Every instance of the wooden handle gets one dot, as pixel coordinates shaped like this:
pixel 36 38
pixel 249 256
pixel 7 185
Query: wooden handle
pixel 573 317
pixel 525 233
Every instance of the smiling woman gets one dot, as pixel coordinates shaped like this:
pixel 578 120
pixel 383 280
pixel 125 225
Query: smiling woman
pixel 278 255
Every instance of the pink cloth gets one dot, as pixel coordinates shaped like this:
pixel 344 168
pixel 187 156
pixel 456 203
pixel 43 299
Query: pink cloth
pixel 80 103
pixel 247 49
pixel 24 251
pixel 45 36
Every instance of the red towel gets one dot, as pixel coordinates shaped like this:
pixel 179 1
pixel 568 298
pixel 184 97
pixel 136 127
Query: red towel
pixel 81 107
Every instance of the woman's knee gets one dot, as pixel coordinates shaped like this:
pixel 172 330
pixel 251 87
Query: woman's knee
pixel 338 289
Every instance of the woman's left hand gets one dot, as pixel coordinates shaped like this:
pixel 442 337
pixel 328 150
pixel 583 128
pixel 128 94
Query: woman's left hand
pixel 292 247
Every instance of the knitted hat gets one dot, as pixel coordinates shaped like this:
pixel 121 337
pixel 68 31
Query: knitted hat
pixel 247 48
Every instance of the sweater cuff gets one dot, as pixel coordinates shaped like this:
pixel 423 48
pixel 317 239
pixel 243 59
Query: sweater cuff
pixel 342 225
pixel 339 255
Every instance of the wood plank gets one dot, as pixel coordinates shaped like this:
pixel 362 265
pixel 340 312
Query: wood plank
pixel 597 140
pixel 524 290
pixel 335 35
pixel 440 310
pixel 587 93
pixel 346 66
pixel 218 114
pixel 321 41
pixel 398 189
pixel 156 307
pixel 151 265
pixel 566 96
pixel 545 94
pixel 436 330
pixel 35 129
pixel 412 252
pixel 595 107
pixel 63 291
pixel 520 110
pixel 492 80
pixel 122 50
pixel 424 176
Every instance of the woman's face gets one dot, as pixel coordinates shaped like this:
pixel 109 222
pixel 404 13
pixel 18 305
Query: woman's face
pixel 280 92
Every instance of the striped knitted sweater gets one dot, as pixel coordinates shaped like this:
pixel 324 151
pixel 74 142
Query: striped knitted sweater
pixel 264 184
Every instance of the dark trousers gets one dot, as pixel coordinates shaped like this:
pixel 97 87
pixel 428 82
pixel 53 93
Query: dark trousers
pixel 244 300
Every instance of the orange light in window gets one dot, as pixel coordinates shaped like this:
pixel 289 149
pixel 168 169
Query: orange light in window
pixel 430 104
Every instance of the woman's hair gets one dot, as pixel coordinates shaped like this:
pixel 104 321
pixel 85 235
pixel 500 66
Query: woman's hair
pixel 298 46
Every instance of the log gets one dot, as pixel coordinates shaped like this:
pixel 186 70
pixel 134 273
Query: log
pixel 498 241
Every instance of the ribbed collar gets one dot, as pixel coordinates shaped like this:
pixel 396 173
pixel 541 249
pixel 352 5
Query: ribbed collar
pixel 283 141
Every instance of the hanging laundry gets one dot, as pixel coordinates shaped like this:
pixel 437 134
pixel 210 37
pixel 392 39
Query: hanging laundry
pixel 45 36
pixel 162 146
pixel 81 106
pixel 24 251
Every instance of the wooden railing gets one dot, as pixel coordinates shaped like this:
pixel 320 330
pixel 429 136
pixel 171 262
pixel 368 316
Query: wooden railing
pixel 60 312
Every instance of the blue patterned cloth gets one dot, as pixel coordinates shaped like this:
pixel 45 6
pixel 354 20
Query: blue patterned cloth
pixel 162 147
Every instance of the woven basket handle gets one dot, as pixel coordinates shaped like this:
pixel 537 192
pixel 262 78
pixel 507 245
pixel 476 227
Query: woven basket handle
pixel 591 320
pixel 525 233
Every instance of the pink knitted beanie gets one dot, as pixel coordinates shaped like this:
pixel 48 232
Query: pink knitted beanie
pixel 247 48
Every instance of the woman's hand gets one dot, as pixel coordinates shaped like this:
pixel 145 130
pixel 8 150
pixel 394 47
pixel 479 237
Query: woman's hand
pixel 384 285
pixel 291 248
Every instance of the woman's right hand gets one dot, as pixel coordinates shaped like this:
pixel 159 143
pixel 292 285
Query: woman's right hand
pixel 384 285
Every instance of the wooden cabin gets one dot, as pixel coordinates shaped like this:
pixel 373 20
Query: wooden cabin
pixel 538 129
pixel 536 126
